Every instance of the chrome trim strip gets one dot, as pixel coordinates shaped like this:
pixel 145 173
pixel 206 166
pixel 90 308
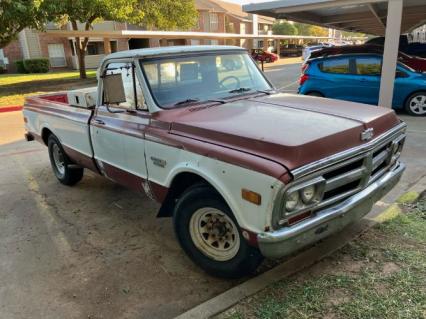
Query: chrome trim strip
pixel 332 212
pixel 344 178
pixel 328 161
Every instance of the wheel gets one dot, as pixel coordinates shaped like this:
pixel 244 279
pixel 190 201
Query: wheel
pixel 233 78
pixel 416 104
pixel 315 94
pixel 209 234
pixel 62 166
pixel 268 60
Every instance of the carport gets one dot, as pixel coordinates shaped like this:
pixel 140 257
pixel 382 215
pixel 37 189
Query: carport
pixel 387 18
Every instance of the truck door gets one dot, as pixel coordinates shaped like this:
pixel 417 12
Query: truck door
pixel 118 131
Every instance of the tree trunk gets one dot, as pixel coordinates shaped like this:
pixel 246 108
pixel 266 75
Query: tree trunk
pixel 81 49
pixel 81 54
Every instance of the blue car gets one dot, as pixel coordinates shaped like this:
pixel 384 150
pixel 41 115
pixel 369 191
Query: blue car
pixel 356 77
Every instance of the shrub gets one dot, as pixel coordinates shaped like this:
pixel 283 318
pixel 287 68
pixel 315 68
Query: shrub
pixel 20 68
pixel 36 65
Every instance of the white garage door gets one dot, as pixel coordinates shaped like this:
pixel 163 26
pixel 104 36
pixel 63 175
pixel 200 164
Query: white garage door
pixel 57 55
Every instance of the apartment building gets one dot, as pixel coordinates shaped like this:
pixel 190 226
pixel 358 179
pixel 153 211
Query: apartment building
pixel 213 16
pixel 419 34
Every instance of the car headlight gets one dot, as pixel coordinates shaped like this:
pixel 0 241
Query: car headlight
pixel 308 193
pixel 304 196
pixel 292 201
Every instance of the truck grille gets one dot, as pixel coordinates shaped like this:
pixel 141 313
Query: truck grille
pixel 349 177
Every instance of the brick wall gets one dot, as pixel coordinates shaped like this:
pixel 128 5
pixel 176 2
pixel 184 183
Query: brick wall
pixel 13 52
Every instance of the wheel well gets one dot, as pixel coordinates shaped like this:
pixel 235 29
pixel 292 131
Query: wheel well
pixel 411 94
pixel 45 133
pixel 180 183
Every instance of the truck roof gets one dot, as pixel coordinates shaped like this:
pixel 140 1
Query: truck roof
pixel 171 50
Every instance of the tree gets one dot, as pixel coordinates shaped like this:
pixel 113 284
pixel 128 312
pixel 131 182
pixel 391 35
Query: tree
pixel 16 15
pixel 284 28
pixel 309 29
pixel 164 14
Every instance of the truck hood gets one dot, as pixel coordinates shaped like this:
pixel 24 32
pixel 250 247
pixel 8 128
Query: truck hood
pixel 291 130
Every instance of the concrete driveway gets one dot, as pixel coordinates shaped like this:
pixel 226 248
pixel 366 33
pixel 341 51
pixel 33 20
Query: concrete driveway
pixel 96 250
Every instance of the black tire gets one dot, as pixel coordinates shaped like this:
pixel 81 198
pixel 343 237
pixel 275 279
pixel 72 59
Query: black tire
pixel 69 174
pixel 202 196
pixel 411 109
pixel 318 94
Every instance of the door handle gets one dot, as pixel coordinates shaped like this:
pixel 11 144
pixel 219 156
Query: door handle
pixel 99 122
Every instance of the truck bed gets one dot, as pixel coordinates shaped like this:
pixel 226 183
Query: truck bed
pixel 51 113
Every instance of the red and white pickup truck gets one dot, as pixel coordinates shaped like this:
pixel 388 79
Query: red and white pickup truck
pixel 244 171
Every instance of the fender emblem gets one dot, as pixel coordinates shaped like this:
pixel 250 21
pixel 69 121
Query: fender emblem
pixel 158 161
pixel 367 134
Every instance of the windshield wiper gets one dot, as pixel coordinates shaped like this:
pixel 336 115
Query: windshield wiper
pixel 240 90
pixel 186 101
pixel 269 92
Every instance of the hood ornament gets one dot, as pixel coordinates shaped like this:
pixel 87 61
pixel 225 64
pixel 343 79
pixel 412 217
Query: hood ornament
pixel 367 134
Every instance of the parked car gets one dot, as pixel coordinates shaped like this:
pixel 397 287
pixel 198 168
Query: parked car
pixel 356 77
pixel 291 50
pixel 410 48
pixel 263 56
pixel 244 172
pixel 314 47
pixel 414 62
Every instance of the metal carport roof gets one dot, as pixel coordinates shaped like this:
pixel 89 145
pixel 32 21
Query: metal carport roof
pixel 367 16
pixel 379 17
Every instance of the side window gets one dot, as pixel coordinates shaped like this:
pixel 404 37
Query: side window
pixel 340 66
pixel 132 87
pixel 368 66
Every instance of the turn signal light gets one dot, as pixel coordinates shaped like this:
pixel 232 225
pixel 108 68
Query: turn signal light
pixel 251 196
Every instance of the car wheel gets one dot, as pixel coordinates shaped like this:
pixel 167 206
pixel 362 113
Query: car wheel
pixel 315 94
pixel 268 60
pixel 209 234
pixel 416 104
pixel 62 166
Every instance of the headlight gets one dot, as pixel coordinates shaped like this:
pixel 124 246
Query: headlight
pixel 292 201
pixel 303 196
pixel 308 194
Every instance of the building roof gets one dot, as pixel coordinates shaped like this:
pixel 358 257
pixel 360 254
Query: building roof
pixel 367 16
pixel 232 9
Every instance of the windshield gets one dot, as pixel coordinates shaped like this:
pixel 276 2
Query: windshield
pixel 182 80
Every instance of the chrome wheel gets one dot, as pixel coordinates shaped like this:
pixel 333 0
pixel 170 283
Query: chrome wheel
pixel 214 233
pixel 417 104
pixel 58 159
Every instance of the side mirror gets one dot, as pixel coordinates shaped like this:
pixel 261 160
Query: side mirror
pixel 113 89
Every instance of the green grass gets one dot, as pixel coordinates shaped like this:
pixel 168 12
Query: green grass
pixel 7 79
pixel 389 280
pixel 15 87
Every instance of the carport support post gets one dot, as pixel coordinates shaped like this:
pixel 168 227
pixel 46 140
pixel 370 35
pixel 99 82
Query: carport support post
pixel 390 52
pixel 278 44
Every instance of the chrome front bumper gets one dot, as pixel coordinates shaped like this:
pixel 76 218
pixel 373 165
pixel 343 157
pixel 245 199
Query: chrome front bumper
pixel 328 221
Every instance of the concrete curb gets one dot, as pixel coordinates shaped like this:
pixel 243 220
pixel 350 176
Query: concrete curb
pixel 10 109
pixel 227 299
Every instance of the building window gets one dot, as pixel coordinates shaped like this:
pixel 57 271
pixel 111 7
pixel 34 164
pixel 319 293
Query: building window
pixel 214 22
pixel 95 48
pixel 56 55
